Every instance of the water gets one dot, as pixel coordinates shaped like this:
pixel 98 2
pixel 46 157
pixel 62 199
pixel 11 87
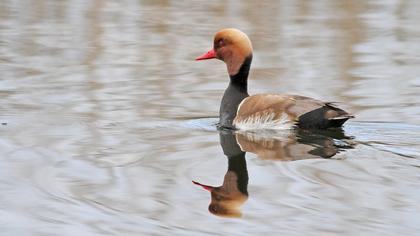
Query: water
pixel 106 119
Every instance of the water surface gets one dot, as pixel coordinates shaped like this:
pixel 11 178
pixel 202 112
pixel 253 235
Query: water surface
pixel 106 119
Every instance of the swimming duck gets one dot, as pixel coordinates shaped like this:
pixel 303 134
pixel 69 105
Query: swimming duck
pixel 240 111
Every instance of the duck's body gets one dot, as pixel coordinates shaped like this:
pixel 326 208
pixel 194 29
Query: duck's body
pixel 280 111
pixel 238 110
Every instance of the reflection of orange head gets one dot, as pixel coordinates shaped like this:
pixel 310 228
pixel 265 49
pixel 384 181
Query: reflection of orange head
pixel 226 204
pixel 226 200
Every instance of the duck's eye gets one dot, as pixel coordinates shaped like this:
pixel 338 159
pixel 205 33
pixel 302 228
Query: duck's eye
pixel 221 43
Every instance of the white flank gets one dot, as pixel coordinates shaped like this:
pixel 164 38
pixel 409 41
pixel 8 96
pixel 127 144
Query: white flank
pixel 264 121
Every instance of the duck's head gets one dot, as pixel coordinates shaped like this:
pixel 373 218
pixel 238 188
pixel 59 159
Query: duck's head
pixel 231 46
pixel 225 203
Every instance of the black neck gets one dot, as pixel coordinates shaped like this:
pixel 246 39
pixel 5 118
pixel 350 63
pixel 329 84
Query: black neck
pixel 236 159
pixel 240 79
pixel 234 94
pixel 237 164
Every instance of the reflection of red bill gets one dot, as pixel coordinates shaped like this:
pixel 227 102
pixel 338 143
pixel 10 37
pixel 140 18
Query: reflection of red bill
pixel 206 187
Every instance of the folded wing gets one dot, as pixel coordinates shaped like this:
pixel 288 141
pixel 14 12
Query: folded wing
pixel 281 111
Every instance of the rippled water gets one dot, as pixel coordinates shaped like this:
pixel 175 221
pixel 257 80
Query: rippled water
pixel 106 119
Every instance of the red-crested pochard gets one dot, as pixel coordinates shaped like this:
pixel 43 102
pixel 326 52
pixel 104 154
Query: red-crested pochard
pixel 240 111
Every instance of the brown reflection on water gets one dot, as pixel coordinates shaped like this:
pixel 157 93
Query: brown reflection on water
pixel 226 200
pixel 96 99
pixel 293 145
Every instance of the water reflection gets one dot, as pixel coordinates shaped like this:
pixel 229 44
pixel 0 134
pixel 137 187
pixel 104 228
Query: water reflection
pixel 94 94
pixel 227 199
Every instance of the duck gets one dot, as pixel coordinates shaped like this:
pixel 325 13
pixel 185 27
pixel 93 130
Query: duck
pixel 240 111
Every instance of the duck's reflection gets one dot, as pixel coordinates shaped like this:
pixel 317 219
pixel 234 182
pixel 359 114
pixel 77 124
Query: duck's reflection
pixel 293 145
pixel 227 199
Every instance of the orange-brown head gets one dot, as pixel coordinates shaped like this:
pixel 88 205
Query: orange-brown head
pixel 226 200
pixel 231 46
